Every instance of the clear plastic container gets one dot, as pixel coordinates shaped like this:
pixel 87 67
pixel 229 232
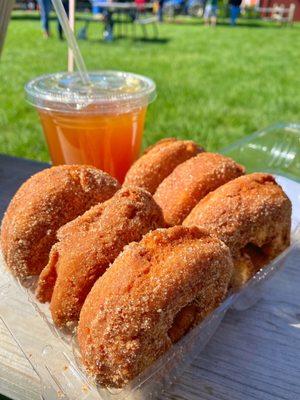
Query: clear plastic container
pixel 55 357
pixel 275 149
pixel 100 124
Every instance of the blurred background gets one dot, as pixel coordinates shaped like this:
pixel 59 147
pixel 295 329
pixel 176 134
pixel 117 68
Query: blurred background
pixel 223 69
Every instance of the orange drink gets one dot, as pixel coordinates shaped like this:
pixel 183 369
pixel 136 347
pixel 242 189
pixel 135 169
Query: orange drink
pixel 109 142
pixel 101 125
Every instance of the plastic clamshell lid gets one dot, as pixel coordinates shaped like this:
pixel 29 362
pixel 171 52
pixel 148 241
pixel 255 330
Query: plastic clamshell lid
pixel 56 362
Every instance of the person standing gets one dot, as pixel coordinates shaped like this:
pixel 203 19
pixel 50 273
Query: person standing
pixel 234 8
pixel 210 12
pixel 45 8
pixel 59 27
pixel 161 10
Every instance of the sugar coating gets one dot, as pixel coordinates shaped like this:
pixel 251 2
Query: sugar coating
pixel 157 286
pixel 44 203
pixel 153 293
pixel 159 161
pixel 87 246
pixel 252 216
pixel 191 181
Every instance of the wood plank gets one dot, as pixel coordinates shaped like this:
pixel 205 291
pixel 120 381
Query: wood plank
pixel 255 353
pixel 17 379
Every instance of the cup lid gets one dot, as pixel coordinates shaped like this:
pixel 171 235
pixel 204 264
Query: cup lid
pixel 65 91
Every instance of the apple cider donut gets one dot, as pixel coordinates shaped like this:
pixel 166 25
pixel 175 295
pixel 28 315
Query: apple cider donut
pixel 88 245
pixel 252 216
pixel 158 162
pixel 191 181
pixel 45 202
pixel 154 293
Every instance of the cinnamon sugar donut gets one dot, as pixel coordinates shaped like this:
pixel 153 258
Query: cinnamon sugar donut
pixel 44 203
pixel 88 245
pixel 154 292
pixel 158 162
pixel 191 181
pixel 252 216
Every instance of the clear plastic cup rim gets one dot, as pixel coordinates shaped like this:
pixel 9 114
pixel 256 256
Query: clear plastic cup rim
pixel 111 91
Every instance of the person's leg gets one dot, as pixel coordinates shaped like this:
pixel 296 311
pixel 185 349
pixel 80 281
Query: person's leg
pixel 234 13
pixel 59 27
pixel 160 13
pixel 160 10
pixel 231 12
pixel 44 13
pixel 206 15
pixel 108 26
pixel 213 19
pixel 48 6
pixel 237 12
pixel 59 30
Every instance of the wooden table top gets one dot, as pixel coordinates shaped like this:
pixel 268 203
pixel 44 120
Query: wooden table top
pixel 254 354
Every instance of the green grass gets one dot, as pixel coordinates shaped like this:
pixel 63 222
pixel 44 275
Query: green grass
pixel 214 85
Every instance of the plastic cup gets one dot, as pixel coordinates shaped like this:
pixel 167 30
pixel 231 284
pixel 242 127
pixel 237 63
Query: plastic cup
pixel 100 125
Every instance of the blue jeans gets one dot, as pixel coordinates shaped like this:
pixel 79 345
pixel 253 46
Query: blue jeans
pixel 59 27
pixel 96 10
pixel 234 13
pixel 45 8
pixel 160 11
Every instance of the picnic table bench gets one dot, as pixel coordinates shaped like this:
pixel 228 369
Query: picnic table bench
pixel 254 354
pixel 128 13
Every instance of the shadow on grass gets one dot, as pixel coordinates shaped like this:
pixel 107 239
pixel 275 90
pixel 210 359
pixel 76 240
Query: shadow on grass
pixel 29 16
pixel 119 38
pixel 151 40
pixel 250 25
pixel 225 23
pixel 183 22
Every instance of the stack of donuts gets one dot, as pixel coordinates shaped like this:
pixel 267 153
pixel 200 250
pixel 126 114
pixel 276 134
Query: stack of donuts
pixel 133 268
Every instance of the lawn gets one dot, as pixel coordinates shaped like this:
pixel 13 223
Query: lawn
pixel 214 85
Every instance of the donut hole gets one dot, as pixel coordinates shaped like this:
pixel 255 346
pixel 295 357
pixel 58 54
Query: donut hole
pixel 259 256
pixel 183 322
pixel 248 262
